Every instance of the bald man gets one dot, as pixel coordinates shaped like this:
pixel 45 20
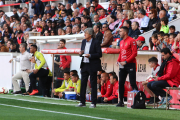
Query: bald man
pixel 162 14
pixel 106 88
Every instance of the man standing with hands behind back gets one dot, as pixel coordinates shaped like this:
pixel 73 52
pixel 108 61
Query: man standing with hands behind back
pixel 90 64
pixel 127 63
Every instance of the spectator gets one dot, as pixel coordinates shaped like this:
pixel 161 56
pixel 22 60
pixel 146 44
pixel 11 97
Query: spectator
pixel 160 6
pixel 92 13
pixel 141 45
pixel 53 9
pixel 45 27
pixel 154 42
pixel 85 12
pixel 83 27
pixel 112 22
pixel 20 12
pixel 68 23
pixel 69 10
pixel 63 14
pixel 106 88
pixel 35 18
pixel 168 76
pixel 108 37
pixel 164 25
pixel 144 21
pixel 87 20
pixel 119 7
pixel 172 29
pixel 25 28
pixel 13 47
pixel 96 20
pixel 3 48
pixel 78 29
pixel 46 33
pixel 103 14
pixel 9 44
pixel 127 24
pixel 96 5
pixel 74 7
pixel 69 30
pixel 88 5
pixel 99 35
pixel 114 8
pixel 15 15
pixel 81 8
pixel 74 30
pixel 38 8
pixel 20 38
pixel 135 30
pixel 76 13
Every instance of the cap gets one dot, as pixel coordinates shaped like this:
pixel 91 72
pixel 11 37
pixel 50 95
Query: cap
pixel 2 41
pixel 48 5
pixel 20 31
pixel 141 38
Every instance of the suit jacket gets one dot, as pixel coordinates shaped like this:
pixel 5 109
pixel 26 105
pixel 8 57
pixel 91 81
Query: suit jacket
pixel 108 38
pixel 114 12
pixel 95 55
pixel 99 37
pixel 135 33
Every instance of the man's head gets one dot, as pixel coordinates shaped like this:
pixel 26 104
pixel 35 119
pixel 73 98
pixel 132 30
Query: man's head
pixel 62 7
pixel 162 14
pixel 104 77
pixel 73 72
pixel 69 29
pixel 14 11
pixel 166 38
pixel 68 6
pixel 35 17
pixel 172 29
pixel 48 7
pixel 140 41
pixel 62 43
pixel 127 23
pixel 74 30
pixel 119 7
pixel 153 62
pixel 88 4
pixel 78 28
pixel 105 27
pixel 142 13
pixel 24 27
pixel 83 26
pixel 113 79
pixel 33 49
pixel 114 4
pixel 22 47
pixel 166 53
pixel 20 10
pixel 63 13
pixel 96 28
pixel 9 43
pixel 88 33
pixel 135 25
pixel 66 75
pixel 103 12
pixel 154 38
pixel 95 3
pixel 123 32
pixel 74 78
pixel 125 14
pixel 46 33
pixel 96 18
pixel 77 20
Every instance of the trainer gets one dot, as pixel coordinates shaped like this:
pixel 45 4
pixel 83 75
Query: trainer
pixel 127 63
pixel 90 64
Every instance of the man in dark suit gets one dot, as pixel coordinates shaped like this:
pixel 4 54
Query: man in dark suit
pixel 135 30
pixel 99 35
pixel 90 64
pixel 114 8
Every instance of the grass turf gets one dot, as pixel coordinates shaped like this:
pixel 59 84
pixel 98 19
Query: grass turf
pixel 102 111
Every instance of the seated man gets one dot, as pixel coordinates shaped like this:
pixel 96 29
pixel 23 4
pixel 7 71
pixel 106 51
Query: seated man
pixel 141 45
pixel 106 88
pixel 168 76
pixel 114 97
pixel 67 83
pixel 153 63
pixel 108 37
pixel 76 85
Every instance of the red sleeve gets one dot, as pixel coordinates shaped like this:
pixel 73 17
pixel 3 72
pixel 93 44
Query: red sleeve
pixel 119 58
pixel 109 90
pixel 65 65
pixel 145 48
pixel 103 91
pixel 172 71
pixel 134 51
pixel 115 95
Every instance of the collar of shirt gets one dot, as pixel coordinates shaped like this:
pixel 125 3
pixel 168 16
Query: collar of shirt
pixel 89 41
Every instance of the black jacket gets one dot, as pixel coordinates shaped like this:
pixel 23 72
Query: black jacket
pixel 135 33
pixel 150 24
pixel 99 37
pixel 95 55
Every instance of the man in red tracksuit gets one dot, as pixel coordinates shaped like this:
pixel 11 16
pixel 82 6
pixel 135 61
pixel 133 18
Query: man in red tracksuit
pixel 106 88
pixel 64 64
pixel 167 76
pixel 127 63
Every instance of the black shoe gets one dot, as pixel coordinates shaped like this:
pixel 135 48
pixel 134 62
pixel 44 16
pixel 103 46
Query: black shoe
pixel 157 100
pixel 120 104
pixel 26 93
pixel 151 101
pixel 81 105
pixel 17 92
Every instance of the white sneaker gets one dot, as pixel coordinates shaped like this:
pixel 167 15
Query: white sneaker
pixel 81 105
pixel 92 106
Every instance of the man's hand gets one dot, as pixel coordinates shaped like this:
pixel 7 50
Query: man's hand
pixel 123 63
pixel 35 71
pixel 62 68
pixel 102 82
pixel 105 99
pixel 81 52
pixel 87 55
pixel 155 78
pixel 10 60
pixel 154 25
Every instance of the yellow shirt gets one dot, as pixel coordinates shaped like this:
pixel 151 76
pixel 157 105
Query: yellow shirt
pixel 66 84
pixel 77 86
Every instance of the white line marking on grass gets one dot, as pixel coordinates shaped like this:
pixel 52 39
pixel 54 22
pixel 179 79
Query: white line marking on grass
pixel 56 112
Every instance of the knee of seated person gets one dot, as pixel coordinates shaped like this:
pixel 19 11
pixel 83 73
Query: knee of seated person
pixel 149 85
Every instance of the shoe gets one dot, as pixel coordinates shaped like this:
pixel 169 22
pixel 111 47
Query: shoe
pixel 135 91
pixel 26 93
pixel 120 104
pixel 34 92
pixel 168 99
pixel 162 100
pixel 157 100
pixel 151 101
pixel 17 92
pixel 92 106
pixel 81 105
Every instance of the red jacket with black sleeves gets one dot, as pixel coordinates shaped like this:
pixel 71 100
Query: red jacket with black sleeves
pixel 106 89
pixel 171 73
pixel 115 91
pixel 65 60
pixel 128 50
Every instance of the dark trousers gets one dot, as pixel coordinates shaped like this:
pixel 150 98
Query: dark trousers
pixel 157 87
pixel 43 77
pixel 101 100
pixel 85 73
pixel 130 69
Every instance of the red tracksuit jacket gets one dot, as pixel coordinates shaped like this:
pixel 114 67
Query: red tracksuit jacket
pixel 171 73
pixel 65 60
pixel 106 89
pixel 115 91
pixel 128 50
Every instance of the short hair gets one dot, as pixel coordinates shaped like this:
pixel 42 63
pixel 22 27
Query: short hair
pixel 161 33
pixel 153 59
pixel 137 24
pixel 125 29
pixel 128 22
pixel 92 7
pixel 154 11
pixel 64 11
pixel 78 18
pixel 115 77
pixel 85 24
pixel 166 34
pixel 79 26
pixel 75 75
pixel 142 11
pixel 67 72
pixel 120 5
pixel 165 20
pixel 99 76
pixel 96 1
pixel 62 40
pixel 24 45
pixel 98 26
pixel 172 34
pixel 106 25
pixel 90 31
pixel 34 46
pixel 74 71
pixel 166 51
pixel 113 17
pixel 69 26
pixel 155 36
pixel 172 27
